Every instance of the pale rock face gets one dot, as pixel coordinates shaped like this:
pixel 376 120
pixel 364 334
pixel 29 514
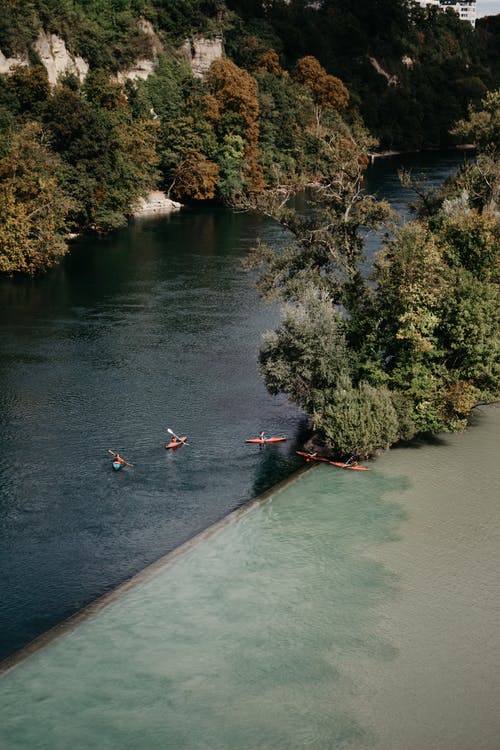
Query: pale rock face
pixel 147 28
pixel 56 58
pixel 392 80
pixel 201 53
pixel 7 63
pixel 142 69
pixel 156 202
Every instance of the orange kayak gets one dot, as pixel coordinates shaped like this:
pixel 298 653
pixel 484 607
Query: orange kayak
pixel 264 441
pixel 349 466
pixel 175 443
pixel 310 457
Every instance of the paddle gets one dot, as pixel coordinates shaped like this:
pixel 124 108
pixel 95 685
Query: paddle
pixel 176 436
pixel 114 453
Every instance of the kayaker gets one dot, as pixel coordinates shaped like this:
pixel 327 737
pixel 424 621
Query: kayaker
pixel 352 460
pixel 119 459
pixel 263 436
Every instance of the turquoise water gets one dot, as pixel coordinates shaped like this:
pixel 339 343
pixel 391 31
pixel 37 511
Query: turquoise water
pixel 152 327
pixel 348 611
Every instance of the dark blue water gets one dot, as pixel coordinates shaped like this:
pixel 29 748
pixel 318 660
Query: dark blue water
pixel 156 326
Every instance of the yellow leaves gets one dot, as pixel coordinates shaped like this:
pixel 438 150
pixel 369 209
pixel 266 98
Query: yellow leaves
pixel 212 109
pixel 327 90
pixel 416 327
pixel 460 397
pixel 196 176
pixel 236 94
pixel 33 207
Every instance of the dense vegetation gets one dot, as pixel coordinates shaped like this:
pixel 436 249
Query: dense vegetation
pixel 257 120
pixel 370 361
pixel 412 348
pixel 435 64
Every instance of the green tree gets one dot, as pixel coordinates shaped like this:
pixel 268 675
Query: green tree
pixel 33 205
pixel 236 94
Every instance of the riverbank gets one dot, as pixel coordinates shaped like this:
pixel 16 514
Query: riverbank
pixel 374 155
pixel 155 203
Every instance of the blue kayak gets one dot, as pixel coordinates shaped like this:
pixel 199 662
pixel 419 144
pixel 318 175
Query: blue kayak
pixel 117 465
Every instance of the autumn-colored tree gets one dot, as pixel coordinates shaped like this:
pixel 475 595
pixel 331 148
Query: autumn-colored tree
pixel 328 91
pixel 33 206
pixel 237 95
pixel 195 176
pixel 269 62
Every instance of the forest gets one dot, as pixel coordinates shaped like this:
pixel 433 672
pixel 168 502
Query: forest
pixel 303 94
pixel 78 155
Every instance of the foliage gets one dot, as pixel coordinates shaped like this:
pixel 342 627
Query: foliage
pixel 308 353
pixel 327 90
pixel 235 91
pixel 412 348
pixel 267 115
pixel 483 124
pixel 33 204
pixel 448 65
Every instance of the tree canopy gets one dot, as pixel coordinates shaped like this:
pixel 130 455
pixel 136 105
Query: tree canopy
pixel 413 347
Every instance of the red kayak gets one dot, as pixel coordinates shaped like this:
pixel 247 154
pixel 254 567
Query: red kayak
pixel 175 443
pixel 311 456
pixel 264 441
pixel 353 467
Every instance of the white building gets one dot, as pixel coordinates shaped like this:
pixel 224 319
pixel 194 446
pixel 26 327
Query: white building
pixel 465 9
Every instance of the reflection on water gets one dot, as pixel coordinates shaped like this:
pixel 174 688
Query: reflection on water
pixel 155 326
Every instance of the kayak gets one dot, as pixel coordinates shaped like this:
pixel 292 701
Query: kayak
pixel 176 443
pixel 308 456
pixel 264 441
pixel 117 465
pixel 348 466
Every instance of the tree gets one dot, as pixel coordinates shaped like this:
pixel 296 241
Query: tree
pixel 194 176
pixel 327 91
pixel 419 342
pixel 308 352
pixel 482 126
pixel 33 205
pixel 110 156
pixel 236 93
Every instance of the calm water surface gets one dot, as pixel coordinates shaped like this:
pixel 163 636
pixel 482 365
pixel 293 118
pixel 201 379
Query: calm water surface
pixel 156 326
pixel 350 611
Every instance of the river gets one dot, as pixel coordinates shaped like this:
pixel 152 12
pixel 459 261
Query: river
pixel 155 326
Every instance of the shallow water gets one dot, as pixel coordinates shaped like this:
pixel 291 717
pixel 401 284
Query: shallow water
pixel 156 326
pixel 349 611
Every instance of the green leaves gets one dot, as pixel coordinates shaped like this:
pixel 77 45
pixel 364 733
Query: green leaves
pixel 410 350
pixel 33 205
pixel 308 353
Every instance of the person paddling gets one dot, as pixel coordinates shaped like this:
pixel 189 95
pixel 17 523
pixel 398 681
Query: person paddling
pixel 352 460
pixel 263 436
pixel 118 458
